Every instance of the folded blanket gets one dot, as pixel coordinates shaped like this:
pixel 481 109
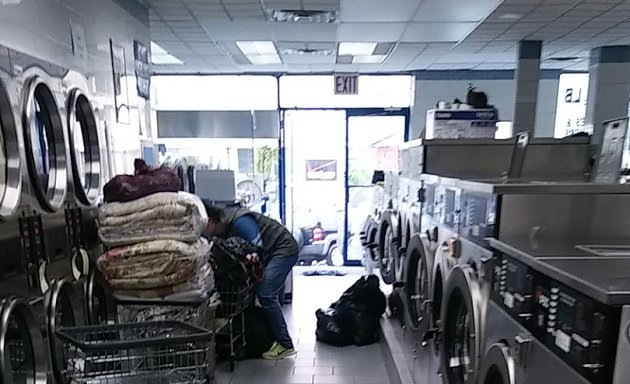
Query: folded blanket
pixel 165 212
pixel 202 281
pixel 150 202
pixel 201 247
pixel 177 216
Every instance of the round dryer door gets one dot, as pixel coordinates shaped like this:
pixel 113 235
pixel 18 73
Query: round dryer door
pixel 100 304
pixel 84 148
pixel 387 247
pixel 461 325
pixel 45 145
pixel 418 282
pixel 63 309
pixel 10 172
pixel 497 366
pixel 22 351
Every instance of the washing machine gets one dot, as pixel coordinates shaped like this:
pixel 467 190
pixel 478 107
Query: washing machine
pixel 574 310
pixel 23 351
pixel 463 311
pixel 86 148
pixel 388 246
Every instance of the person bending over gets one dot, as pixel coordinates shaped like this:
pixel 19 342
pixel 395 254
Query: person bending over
pixel 279 255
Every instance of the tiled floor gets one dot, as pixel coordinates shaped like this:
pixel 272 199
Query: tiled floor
pixel 315 363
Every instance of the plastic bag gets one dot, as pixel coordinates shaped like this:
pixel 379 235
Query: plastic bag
pixel 144 182
pixel 355 317
pixel 329 330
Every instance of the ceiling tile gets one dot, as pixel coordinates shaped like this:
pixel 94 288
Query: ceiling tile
pixel 237 30
pixel 455 10
pixel 303 32
pixel 372 32
pixel 207 47
pixel 437 32
pixel 378 10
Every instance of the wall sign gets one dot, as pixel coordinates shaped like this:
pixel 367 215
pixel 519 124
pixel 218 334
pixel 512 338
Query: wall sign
pixel 79 45
pixel 321 170
pixel 141 63
pixel 121 88
pixel 571 105
pixel 346 84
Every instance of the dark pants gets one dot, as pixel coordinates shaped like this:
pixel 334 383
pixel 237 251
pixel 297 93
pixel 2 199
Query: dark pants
pixel 276 272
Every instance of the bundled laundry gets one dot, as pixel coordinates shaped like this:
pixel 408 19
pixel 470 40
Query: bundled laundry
pixel 144 182
pixel 158 268
pixel 235 263
pixel 177 216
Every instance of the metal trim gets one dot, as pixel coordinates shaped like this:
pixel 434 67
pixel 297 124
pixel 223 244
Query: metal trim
pixel 18 307
pixel 10 198
pixel 418 245
pixel 461 281
pixel 88 193
pixel 61 290
pixel 53 196
pixel 497 360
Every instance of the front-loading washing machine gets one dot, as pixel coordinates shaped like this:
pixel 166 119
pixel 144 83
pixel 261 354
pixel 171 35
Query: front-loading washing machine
pixel 514 356
pixel 463 311
pixel 23 353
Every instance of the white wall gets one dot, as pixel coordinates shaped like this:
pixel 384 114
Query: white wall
pixel 41 28
pixel 500 94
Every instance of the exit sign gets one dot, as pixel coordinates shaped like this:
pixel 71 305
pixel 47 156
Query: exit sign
pixel 346 84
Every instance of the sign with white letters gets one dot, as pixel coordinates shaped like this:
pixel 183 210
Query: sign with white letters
pixel 346 84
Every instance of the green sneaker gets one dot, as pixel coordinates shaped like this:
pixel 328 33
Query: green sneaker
pixel 277 352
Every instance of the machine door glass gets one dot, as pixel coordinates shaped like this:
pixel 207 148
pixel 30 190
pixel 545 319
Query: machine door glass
pixel 373 140
pixel 497 366
pixel 314 165
pixel 10 179
pixel 45 147
pixel 24 356
pixel 85 151
pixel 461 336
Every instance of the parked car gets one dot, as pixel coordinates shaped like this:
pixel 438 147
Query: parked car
pixel 317 245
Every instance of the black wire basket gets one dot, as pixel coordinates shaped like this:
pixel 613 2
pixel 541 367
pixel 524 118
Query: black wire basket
pixel 146 352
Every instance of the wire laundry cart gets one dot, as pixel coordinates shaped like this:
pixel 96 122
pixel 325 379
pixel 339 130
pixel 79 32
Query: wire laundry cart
pixel 198 311
pixel 151 352
pixel 230 321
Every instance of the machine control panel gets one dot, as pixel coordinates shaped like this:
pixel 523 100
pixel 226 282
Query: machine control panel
pixel 579 329
pixel 478 216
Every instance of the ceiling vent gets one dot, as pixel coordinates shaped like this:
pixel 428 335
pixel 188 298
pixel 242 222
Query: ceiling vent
pixel 563 59
pixel 308 52
pixel 301 16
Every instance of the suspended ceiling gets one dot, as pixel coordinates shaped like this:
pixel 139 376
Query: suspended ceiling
pixel 417 34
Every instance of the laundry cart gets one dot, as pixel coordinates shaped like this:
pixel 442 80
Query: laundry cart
pixel 146 352
pixel 230 321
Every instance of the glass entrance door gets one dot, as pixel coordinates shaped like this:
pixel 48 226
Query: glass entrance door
pixel 314 167
pixel 373 138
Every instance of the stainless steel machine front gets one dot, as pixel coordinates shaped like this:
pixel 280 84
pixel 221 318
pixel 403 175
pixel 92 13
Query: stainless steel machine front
pixel 573 307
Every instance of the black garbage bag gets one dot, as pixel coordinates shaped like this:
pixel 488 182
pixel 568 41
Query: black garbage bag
pixel 258 332
pixel 329 330
pixel 355 317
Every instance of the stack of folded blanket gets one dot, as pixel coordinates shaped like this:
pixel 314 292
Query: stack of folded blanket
pixel 162 216
pixel 156 246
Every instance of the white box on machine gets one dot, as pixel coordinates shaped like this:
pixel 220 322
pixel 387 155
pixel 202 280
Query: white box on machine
pixel 461 123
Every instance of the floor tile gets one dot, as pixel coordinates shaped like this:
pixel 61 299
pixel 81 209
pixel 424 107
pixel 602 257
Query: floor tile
pixel 326 379
pixel 314 363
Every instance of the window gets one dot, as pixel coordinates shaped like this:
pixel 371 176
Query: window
pixel 245 161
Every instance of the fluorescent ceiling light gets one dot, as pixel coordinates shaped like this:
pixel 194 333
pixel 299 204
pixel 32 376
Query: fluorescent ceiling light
pixel 159 56
pixel 264 59
pixel 356 49
pixel 257 47
pixel 372 59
